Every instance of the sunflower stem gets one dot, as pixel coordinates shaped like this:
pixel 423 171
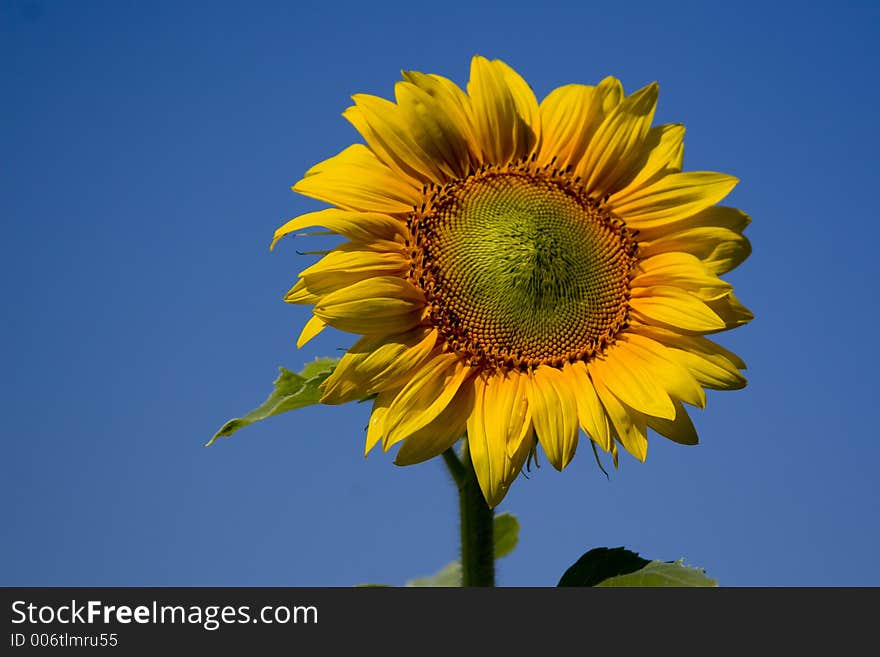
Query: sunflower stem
pixel 477 521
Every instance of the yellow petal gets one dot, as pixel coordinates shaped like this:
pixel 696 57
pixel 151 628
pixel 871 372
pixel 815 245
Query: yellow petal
pixel 671 198
pixel 591 414
pixel 675 378
pixel 441 433
pixel 699 344
pixel 346 265
pixel 356 180
pixel 518 458
pixel 569 118
pixel 299 293
pixel 436 132
pixel 630 428
pixel 525 102
pixel 356 155
pixel 718 216
pixel 712 365
pixel 512 398
pixel 497 430
pixel 360 226
pixel 626 375
pixel 671 306
pixel 314 326
pixel 664 146
pixel 610 90
pixel 386 129
pixel 554 414
pixel 452 103
pixel 680 429
pixel 681 270
pixel 614 454
pixel 425 396
pixel 500 111
pixel 710 373
pixel 339 269
pixel 385 304
pixel 731 311
pixel 613 154
pixel 377 362
pixel 376 424
pixel 719 249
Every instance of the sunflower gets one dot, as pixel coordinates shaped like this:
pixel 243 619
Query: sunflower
pixel 521 272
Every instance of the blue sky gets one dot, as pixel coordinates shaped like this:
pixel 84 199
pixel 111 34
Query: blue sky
pixel 147 155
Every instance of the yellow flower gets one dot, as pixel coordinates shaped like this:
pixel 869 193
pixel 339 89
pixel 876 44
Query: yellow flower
pixel 520 272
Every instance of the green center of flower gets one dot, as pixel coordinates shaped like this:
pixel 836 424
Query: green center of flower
pixel 520 268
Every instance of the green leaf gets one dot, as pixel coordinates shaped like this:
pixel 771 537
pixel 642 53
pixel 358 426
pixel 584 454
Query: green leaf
pixel 599 564
pixel 506 535
pixel 662 573
pixel 372 586
pixel 449 576
pixel 619 567
pixel 292 391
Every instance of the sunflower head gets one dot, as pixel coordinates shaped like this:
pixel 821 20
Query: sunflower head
pixel 521 272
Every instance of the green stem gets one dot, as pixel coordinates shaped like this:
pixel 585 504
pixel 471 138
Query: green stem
pixel 477 521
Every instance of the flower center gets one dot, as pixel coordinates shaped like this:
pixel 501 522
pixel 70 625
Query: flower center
pixel 521 268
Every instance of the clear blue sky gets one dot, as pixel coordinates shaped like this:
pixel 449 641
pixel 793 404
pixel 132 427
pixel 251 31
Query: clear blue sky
pixel 147 149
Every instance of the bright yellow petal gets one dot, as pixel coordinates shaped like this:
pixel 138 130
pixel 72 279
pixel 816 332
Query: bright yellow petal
pixel 719 249
pixel 453 104
pixel 300 294
pixel 630 428
pixel 388 133
pixel 374 363
pixel 716 216
pixel 710 372
pixel 339 269
pixel 425 396
pixel 376 424
pixel 514 393
pixel 554 414
pixel 500 111
pixel 569 118
pixel 591 414
pixel 626 375
pixel 518 457
pixel 385 304
pixel 664 145
pixel 712 365
pixel 614 454
pixel 681 270
pixel 344 266
pixel 359 226
pixel 314 326
pixel 675 378
pixel 436 132
pixel 497 431
pixel 610 90
pixel 441 433
pixel 679 430
pixel 671 198
pixel 356 180
pixel 525 102
pixel 731 311
pixel 613 154
pixel 671 306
